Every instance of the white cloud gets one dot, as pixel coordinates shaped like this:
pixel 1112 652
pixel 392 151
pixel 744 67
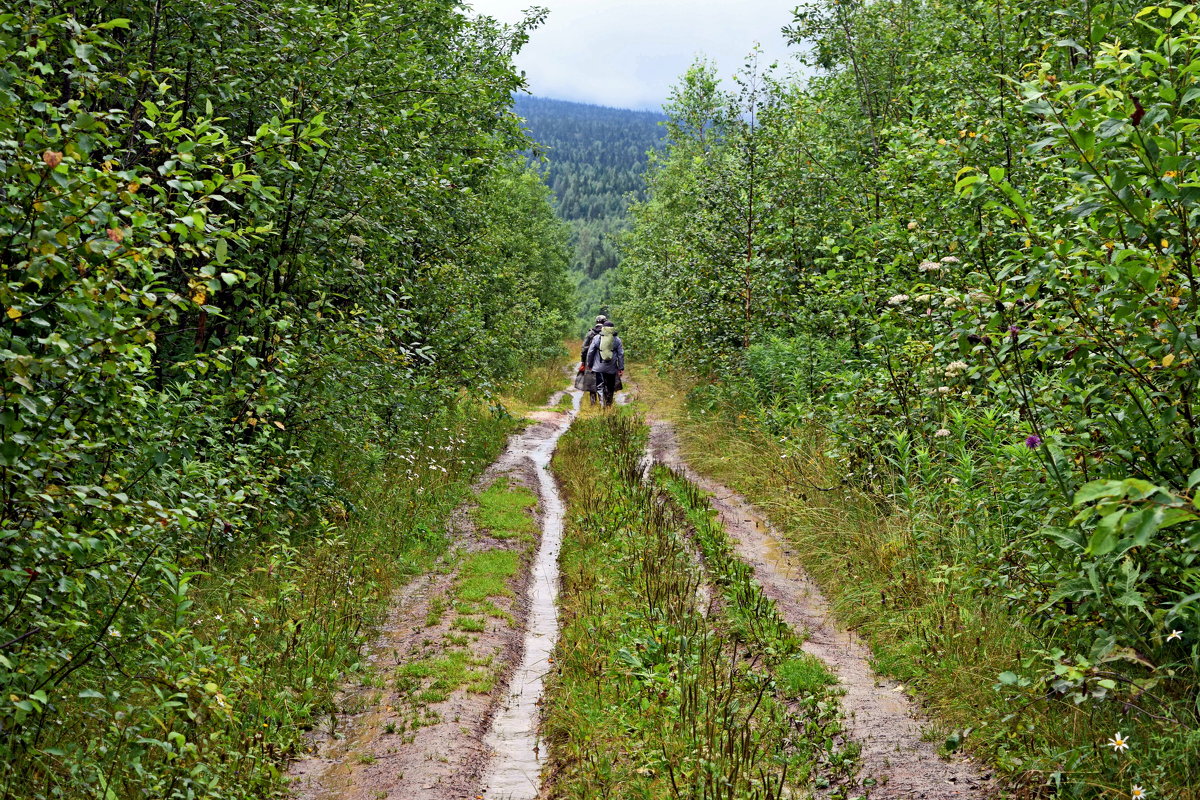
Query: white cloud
pixel 628 53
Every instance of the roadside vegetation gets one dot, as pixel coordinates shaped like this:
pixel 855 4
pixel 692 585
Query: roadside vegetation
pixel 947 290
pixel 264 268
pixel 654 692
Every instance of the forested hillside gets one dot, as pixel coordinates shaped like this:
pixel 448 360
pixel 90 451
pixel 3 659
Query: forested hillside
pixel 949 288
pixel 260 261
pixel 595 160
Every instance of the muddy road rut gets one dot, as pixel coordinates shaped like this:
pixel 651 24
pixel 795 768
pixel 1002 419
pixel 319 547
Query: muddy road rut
pixel 896 764
pixel 451 710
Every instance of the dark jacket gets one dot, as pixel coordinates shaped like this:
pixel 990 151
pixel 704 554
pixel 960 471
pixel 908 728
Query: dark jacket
pixel 587 342
pixel 617 364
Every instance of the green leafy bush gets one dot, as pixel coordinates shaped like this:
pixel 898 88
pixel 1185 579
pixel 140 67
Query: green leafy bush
pixel 247 248
pixel 962 257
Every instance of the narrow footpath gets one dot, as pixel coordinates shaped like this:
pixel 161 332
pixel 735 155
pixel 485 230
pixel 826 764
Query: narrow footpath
pixel 452 708
pixel 896 763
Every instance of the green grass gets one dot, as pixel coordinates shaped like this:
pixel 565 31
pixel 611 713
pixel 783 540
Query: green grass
pixel 803 674
pixel 433 679
pixel 437 607
pixel 483 685
pixel 505 511
pixel 651 698
pixel 470 624
pixel 486 574
pixel 542 381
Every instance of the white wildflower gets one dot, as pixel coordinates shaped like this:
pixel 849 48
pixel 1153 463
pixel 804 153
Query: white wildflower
pixel 980 297
pixel 357 241
pixel 930 266
pixel 956 368
pixel 897 299
pixel 941 433
pixel 1119 743
pixel 912 226
pixel 1174 636
pixel 951 260
pixel 944 390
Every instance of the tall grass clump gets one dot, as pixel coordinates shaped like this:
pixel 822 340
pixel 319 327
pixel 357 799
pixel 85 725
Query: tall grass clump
pixel 650 696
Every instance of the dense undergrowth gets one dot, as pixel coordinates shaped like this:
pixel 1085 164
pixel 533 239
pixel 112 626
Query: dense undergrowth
pixel 255 255
pixel 954 275
pixel 652 695
pixel 904 578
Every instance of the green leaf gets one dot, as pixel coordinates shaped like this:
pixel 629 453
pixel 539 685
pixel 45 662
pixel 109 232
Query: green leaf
pixel 1104 539
pixel 1098 489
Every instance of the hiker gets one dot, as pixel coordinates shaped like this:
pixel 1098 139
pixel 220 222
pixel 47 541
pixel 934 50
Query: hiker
pixel 587 380
pixel 606 358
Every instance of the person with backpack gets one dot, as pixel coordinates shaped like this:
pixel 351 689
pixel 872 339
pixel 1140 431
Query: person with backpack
pixel 587 380
pixel 606 358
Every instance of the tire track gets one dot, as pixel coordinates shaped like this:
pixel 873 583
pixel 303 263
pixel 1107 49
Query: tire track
pixel 895 763
pixel 385 743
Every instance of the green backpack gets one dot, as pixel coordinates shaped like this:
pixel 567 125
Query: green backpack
pixel 608 344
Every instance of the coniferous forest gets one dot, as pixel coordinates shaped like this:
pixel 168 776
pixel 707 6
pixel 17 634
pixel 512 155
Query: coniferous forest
pixel 898 498
pixel 595 160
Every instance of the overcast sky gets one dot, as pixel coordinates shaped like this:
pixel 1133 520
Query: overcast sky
pixel 628 53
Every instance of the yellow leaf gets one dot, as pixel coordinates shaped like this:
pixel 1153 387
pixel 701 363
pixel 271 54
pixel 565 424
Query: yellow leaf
pixel 279 425
pixel 14 313
pixel 199 298
pixel 1168 360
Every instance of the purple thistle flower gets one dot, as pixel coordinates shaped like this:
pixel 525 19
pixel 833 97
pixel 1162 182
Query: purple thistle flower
pixel 1032 441
pixel 1013 330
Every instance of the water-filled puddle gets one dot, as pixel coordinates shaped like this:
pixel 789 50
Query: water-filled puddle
pixel 515 770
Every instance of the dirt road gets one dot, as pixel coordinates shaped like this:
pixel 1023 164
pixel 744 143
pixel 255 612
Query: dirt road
pixel 451 711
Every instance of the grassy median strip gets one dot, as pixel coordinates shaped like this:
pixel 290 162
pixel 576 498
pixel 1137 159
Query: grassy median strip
pixel 651 698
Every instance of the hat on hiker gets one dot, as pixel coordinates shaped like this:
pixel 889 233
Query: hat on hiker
pixel 601 318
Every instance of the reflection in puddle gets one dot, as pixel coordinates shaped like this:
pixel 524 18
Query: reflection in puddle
pixel 515 770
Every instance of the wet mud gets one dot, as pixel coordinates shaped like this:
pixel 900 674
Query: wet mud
pixel 514 772
pixel 895 763
pixel 385 742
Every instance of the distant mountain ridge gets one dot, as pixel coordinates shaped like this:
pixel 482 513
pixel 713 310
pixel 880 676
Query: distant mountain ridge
pixel 596 159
